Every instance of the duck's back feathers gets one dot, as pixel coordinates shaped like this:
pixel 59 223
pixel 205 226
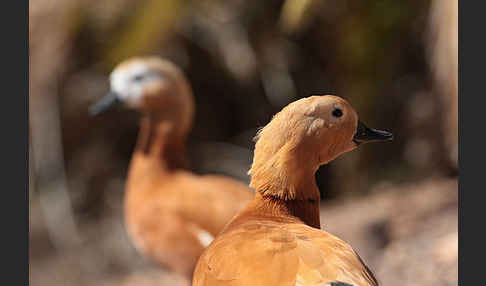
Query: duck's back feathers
pixel 272 253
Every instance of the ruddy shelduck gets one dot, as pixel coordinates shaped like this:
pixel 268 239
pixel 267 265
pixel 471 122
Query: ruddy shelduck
pixel 170 213
pixel 276 239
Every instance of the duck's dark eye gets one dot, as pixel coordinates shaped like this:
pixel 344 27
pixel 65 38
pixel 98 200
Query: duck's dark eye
pixel 138 77
pixel 337 112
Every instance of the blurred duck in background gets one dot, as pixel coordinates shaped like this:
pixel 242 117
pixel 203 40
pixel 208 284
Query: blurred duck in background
pixel 171 214
pixel 276 239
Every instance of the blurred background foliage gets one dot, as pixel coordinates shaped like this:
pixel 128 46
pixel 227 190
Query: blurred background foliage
pixel 395 61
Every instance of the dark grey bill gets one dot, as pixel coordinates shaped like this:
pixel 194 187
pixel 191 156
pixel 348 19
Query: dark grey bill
pixel 106 102
pixel 365 134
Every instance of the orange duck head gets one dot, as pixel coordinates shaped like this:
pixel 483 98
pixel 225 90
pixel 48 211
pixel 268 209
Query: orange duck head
pixel 306 134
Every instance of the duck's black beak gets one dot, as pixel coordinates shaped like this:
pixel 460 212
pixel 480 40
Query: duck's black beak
pixel 365 134
pixel 106 102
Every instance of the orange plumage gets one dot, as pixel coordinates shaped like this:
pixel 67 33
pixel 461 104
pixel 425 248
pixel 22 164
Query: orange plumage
pixel 171 214
pixel 276 239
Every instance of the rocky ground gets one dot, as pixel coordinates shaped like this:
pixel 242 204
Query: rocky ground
pixel 407 234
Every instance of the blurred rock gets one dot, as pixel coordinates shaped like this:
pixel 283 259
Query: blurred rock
pixel 406 234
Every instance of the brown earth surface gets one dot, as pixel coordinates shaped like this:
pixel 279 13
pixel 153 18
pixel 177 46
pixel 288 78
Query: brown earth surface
pixel 406 234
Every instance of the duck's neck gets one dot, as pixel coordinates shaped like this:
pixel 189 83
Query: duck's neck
pixel 288 192
pixel 305 210
pixel 161 140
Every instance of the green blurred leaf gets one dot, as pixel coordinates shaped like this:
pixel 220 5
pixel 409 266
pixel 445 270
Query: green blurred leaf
pixel 151 23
